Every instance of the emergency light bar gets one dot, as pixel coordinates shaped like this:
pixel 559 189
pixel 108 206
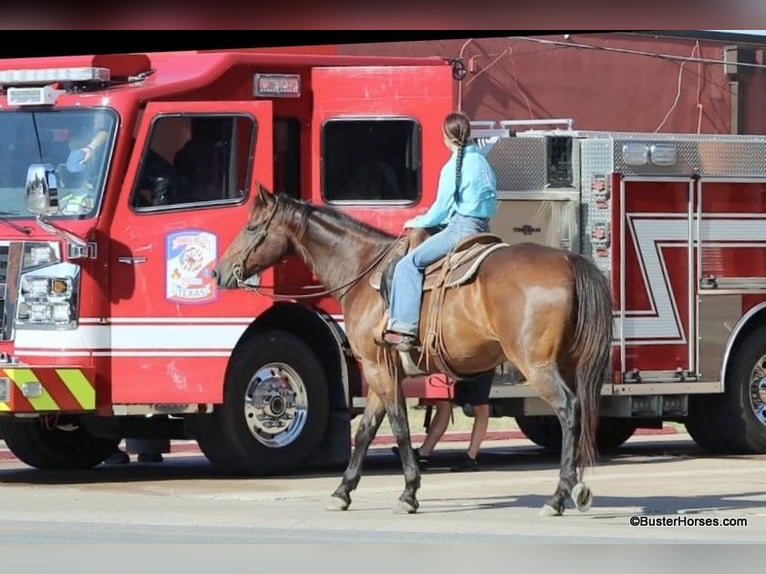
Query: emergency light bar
pixel 45 96
pixel 51 75
pixel 277 85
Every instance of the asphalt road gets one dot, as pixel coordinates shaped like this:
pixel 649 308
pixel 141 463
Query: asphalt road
pixel 650 480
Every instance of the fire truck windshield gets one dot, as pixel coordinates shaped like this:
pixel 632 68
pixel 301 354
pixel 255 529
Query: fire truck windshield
pixel 76 142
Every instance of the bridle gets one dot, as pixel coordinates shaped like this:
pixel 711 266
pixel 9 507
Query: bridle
pixel 261 237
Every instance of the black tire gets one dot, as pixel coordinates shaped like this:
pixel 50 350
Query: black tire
pixel 727 423
pixel 545 431
pixel 230 436
pixel 61 447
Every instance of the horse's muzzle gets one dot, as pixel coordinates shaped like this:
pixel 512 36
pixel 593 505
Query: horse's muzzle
pixel 225 280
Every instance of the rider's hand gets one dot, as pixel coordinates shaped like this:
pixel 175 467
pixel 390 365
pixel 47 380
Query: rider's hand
pixel 409 224
pixel 87 153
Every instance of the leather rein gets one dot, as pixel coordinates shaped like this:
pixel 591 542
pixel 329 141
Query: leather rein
pixel 261 237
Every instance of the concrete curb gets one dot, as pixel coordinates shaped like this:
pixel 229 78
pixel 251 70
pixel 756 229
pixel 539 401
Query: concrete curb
pixel 190 447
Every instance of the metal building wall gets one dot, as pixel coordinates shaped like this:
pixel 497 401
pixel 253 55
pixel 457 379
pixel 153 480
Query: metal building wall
pixel 619 82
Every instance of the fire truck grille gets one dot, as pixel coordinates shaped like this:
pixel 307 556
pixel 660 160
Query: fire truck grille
pixel 4 249
pixel 4 254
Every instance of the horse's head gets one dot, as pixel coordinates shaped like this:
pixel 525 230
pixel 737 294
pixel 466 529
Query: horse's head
pixel 261 243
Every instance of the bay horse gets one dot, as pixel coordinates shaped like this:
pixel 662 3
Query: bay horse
pixel 546 310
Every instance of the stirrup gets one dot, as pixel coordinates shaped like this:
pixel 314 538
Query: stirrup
pixel 403 342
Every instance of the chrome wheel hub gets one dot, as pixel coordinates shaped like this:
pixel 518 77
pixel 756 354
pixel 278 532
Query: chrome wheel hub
pixel 276 405
pixel 758 390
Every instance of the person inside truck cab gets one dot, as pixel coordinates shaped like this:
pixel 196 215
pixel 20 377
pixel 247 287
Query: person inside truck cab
pixel 86 141
pixel 85 144
pixel 160 181
pixel 372 177
pixel 198 160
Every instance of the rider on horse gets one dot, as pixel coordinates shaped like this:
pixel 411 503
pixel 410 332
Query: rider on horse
pixel 465 201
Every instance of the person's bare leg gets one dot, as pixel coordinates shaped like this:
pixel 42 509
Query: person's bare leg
pixel 479 430
pixel 438 426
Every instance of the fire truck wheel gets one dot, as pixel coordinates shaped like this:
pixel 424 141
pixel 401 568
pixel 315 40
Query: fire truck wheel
pixel 735 422
pixel 276 408
pixel 545 431
pixel 49 444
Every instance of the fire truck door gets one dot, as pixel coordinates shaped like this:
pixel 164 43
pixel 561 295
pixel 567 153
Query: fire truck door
pixel 731 259
pixel 654 276
pixel 186 195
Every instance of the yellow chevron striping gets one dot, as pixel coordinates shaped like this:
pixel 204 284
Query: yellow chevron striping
pixel 20 377
pixel 4 407
pixel 80 387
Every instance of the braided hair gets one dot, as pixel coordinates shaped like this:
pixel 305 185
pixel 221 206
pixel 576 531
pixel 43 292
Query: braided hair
pixel 457 130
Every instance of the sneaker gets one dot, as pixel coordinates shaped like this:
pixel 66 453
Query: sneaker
pixel 465 464
pixel 149 457
pixel 117 457
pixel 423 461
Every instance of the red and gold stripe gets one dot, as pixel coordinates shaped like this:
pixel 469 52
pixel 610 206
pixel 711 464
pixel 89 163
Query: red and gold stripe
pixel 63 389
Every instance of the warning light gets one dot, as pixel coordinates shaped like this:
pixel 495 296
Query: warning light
pixel 277 85
pixel 51 75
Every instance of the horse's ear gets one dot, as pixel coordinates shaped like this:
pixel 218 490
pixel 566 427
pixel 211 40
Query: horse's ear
pixel 264 196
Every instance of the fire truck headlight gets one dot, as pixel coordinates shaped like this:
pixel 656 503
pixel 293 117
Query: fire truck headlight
pixel 37 254
pixel 48 297
pixel 61 312
pixel 34 287
pixel 40 313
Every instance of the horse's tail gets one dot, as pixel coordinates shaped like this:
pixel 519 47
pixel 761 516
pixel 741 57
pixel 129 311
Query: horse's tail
pixel 592 349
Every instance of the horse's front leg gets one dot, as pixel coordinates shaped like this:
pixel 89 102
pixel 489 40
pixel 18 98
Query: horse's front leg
pixel 397 415
pixel 373 415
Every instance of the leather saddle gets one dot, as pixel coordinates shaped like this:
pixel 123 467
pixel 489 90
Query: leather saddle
pixel 455 269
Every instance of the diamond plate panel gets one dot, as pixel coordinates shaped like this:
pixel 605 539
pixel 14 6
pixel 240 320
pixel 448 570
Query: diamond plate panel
pixel 519 164
pixel 711 158
pixel 711 155
pixel 595 163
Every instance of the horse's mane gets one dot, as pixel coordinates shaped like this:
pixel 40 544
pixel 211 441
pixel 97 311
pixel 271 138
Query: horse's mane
pixel 305 209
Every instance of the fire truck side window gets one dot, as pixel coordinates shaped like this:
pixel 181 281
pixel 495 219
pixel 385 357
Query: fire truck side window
pixel 371 160
pixel 287 157
pixel 193 160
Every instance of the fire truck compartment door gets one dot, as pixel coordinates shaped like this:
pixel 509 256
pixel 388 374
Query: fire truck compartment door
pixel 549 218
pixel 171 327
pixel 654 271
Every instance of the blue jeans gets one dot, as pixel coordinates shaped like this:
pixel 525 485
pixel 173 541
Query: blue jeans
pixel 407 286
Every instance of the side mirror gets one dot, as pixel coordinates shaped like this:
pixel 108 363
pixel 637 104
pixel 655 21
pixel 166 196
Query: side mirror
pixel 42 189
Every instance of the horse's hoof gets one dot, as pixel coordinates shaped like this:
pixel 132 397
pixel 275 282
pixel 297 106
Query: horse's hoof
pixel 338 503
pixel 548 510
pixel 406 507
pixel 582 497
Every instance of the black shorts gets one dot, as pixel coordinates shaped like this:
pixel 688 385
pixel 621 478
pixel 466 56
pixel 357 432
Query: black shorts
pixel 474 390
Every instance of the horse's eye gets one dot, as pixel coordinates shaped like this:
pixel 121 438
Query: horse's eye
pixel 252 228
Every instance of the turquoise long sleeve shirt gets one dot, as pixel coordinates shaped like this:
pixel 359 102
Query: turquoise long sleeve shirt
pixel 478 190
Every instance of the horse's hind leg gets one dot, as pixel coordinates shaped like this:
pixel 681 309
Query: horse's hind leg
pixel 554 390
pixel 373 415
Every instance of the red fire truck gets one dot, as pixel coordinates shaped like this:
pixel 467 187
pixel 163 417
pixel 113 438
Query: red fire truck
pixel 678 222
pixel 125 176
